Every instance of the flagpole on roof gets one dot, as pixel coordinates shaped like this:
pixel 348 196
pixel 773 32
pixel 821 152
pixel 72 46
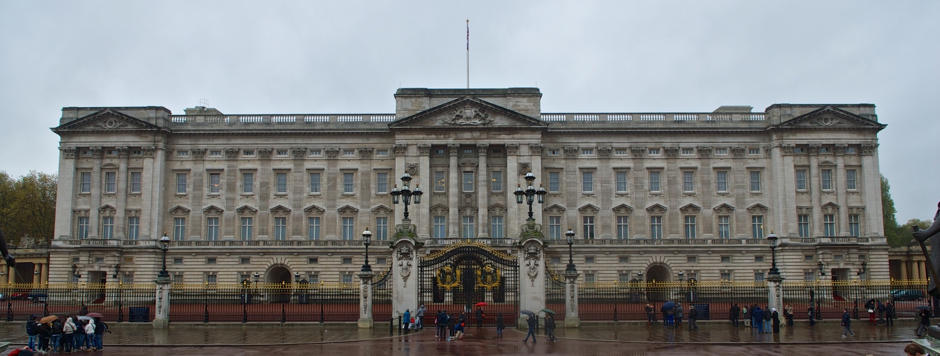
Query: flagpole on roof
pixel 468 53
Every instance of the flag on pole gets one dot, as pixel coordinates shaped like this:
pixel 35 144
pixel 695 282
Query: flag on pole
pixel 468 35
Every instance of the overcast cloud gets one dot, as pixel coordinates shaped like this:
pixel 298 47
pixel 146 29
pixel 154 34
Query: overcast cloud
pixel 350 56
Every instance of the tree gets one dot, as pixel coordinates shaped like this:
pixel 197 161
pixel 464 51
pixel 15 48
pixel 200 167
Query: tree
pixel 892 230
pixel 27 207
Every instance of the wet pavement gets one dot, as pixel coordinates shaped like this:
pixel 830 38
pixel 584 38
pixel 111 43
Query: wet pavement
pixel 715 338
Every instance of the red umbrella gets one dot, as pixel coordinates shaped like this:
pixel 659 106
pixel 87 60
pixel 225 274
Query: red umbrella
pixel 480 304
pixel 95 315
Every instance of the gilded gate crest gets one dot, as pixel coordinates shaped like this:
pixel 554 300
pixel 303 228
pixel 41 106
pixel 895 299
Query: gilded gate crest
pixel 448 276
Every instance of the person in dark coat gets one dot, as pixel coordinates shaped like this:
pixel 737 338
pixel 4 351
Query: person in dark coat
pixel 775 320
pixel 880 308
pixel 500 325
pixel 550 327
pixel 44 331
pixel 812 315
pixel 788 314
pixel 924 315
pixel 767 316
pixel 890 313
pixel 734 314
pixel 100 328
pixel 451 323
pixel 846 324
pixel 531 322
pixel 757 322
pixel 479 316
pixel 31 332
pixel 650 314
pixel 693 316
pixel 55 340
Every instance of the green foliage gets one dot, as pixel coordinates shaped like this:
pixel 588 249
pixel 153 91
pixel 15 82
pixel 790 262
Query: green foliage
pixel 892 230
pixel 905 231
pixel 27 206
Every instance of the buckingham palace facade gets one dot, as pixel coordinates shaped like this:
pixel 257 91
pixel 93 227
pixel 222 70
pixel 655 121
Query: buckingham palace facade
pixel 653 196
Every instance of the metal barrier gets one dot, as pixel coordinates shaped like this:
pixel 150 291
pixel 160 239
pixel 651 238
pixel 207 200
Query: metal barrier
pixel 112 301
pixel 265 302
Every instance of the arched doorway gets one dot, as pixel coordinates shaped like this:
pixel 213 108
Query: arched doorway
pixel 657 273
pixel 278 279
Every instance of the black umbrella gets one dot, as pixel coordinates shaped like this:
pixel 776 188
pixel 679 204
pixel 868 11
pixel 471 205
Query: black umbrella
pixel 527 312
pixel 923 307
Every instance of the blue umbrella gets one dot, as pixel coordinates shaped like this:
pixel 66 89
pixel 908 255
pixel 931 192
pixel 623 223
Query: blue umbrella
pixel 527 312
pixel 669 305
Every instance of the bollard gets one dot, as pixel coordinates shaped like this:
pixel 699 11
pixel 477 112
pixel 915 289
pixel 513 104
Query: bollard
pixel 321 312
pixel 244 313
pixel 615 313
pixel 283 314
pixel 399 324
pixel 9 310
pixel 391 326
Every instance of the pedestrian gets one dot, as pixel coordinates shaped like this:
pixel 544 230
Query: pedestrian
pixel 90 335
pixel 55 341
pixel 45 331
pixel 667 313
pixel 693 316
pixel 924 315
pixel 846 323
pixel 734 313
pixel 78 339
pixel 100 328
pixel 531 322
pixel 68 330
pixel 31 332
pixel 914 349
pixel 419 318
pixel 679 315
pixel 757 323
pixel 890 313
pixel 812 315
pixel 451 324
pixel 458 333
pixel 788 314
pixel 768 315
pixel 775 320
pixel 870 305
pixel 650 314
pixel 500 325
pixel 406 320
pixel 550 327
pixel 479 315
pixel 880 308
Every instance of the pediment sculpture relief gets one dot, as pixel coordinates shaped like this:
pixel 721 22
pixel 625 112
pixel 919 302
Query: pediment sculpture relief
pixel 470 116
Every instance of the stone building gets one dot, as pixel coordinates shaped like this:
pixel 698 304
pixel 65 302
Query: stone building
pixel 649 195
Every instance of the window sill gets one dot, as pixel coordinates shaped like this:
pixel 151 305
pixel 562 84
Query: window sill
pixel 133 194
pixel 314 193
pixel 657 193
pixel 723 193
pixel 756 192
pixel 280 194
pixel 181 194
pixel 214 195
pixel 348 194
pixel 247 194
pixel 691 194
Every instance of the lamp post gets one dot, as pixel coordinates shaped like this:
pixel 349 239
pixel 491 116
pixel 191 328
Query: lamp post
pixel 570 268
pixel 117 277
pixel 773 254
pixel 822 273
pixel 367 240
pixel 405 194
pixel 530 193
pixel 164 246
pixel 681 279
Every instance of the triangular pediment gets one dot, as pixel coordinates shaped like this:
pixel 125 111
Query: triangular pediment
pixel 830 117
pixel 468 112
pixel 106 120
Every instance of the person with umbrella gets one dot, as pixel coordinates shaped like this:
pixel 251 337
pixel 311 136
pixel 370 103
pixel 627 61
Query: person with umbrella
pixel 924 315
pixel 68 331
pixel 531 322
pixel 479 314
pixel 550 326
pixel 31 331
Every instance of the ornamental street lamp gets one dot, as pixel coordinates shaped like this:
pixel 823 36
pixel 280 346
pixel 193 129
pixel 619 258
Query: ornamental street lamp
pixel 405 193
pixel 773 254
pixel 530 193
pixel 570 269
pixel 164 246
pixel 822 273
pixel 366 240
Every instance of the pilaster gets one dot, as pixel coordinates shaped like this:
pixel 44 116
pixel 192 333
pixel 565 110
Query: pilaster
pixel 453 193
pixel 482 192
pixel 365 300
pixel 161 317
pixel 572 318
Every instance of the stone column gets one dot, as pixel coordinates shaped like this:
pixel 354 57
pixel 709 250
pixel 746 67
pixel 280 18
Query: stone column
pixel 120 215
pixel 161 318
pixel 64 193
pixel 775 292
pixel 512 221
pixel 453 192
pixel 94 221
pixel 482 193
pixel 532 283
pixel 44 273
pixel 365 300
pixel 572 320
pixel 404 277
pixel 903 269
pixel 423 211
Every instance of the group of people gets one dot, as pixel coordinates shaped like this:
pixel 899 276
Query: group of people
pixel 532 322
pixel 881 313
pixel 72 334
pixel 672 315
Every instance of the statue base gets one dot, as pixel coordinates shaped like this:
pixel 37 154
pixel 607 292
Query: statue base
pixel 572 322
pixel 365 323
pixel 931 343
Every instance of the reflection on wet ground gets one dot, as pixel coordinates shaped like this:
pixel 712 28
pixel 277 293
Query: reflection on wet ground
pixel 591 339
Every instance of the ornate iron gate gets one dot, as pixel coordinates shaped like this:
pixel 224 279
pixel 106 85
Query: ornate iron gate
pixel 459 277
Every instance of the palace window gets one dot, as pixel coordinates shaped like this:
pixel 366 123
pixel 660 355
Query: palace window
pixel 248 182
pixel 587 181
pixel 721 181
pixel 690 226
pixel 554 181
pixel 623 227
pixel 439 227
pixel 803 225
pixel 854 224
pixel 134 183
pixel 133 227
pixel 496 181
pixel 496 226
pixel 107 227
pixel 688 181
pixel 440 180
pixel 724 227
pixel 851 182
pixel 215 183
pixel 381 228
pixel 84 182
pixel 687 151
pixel 467 181
pixel 313 227
pixel 829 225
pixel 825 176
pixel 801 179
pixel 179 229
pixel 212 228
pixel 554 227
pixel 347 231
pixel 656 227
pixel 180 183
pixel 757 226
pixel 467 227
pixel 588 224
pixel 281 182
pixel 246 228
pixel 381 182
pixel 109 182
pixel 755 181
pixel 621 178
pixel 654 181
pixel 280 228
pixel 314 182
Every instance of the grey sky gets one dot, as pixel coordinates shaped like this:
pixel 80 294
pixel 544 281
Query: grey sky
pixel 350 56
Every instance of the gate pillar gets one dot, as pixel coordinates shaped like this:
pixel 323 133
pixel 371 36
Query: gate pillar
pixel 572 319
pixel 161 318
pixel 775 292
pixel 404 277
pixel 365 300
pixel 532 283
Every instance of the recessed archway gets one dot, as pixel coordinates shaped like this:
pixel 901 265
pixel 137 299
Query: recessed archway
pixel 277 275
pixel 657 273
